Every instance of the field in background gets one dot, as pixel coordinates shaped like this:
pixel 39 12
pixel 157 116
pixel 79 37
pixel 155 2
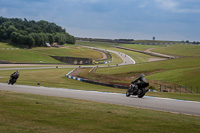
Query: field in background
pixel 139 46
pixel 183 71
pixel 138 57
pixel 25 56
pixel 69 51
pixel 42 54
pixel 181 50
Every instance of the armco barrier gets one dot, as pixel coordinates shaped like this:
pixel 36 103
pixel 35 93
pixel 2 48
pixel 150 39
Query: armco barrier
pixel 94 82
pixel 71 77
pixel 75 78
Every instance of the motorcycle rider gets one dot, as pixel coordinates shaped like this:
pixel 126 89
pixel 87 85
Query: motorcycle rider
pixel 135 83
pixel 138 87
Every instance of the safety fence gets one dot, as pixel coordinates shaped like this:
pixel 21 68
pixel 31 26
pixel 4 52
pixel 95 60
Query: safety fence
pixel 179 89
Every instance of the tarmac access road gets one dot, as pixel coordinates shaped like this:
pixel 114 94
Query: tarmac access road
pixel 147 102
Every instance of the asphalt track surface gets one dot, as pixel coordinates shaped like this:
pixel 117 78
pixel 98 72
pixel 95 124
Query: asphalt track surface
pixel 147 102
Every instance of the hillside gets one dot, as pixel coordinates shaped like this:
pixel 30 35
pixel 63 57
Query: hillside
pixel 183 71
pixel 32 33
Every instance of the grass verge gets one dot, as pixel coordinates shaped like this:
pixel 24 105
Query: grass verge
pixel 38 114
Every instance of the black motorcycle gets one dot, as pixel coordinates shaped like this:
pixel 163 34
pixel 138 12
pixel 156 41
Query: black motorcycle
pixel 138 89
pixel 13 78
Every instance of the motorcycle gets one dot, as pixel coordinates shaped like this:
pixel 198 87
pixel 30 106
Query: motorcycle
pixel 13 79
pixel 138 89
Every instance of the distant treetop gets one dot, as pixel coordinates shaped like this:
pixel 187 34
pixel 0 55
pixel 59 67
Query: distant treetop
pixel 32 33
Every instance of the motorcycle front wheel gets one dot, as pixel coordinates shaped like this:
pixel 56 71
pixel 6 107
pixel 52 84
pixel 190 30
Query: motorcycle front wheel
pixel 128 93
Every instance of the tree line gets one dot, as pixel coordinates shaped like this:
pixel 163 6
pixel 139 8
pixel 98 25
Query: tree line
pixel 32 33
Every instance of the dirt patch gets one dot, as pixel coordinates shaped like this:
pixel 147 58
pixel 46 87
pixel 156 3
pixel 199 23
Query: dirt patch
pixel 156 59
pixel 76 72
pixel 149 50
pixel 104 56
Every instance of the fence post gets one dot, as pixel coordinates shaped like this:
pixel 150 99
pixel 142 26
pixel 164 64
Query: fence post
pixel 191 88
pixel 160 88
pixel 174 88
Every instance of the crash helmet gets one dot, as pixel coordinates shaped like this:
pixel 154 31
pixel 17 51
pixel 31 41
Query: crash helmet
pixel 142 75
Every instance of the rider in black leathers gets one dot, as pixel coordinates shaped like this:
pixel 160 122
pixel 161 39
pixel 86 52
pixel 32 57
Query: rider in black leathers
pixel 135 84
pixel 142 79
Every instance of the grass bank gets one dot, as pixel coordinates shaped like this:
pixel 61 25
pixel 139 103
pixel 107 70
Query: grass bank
pixel 42 54
pixel 34 113
pixel 183 71
pixel 180 50
pixel 70 51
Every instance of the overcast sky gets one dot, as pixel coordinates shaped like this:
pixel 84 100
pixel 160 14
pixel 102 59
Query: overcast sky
pixel 134 19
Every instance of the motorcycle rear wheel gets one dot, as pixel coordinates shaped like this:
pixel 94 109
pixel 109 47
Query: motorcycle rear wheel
pixel 141 93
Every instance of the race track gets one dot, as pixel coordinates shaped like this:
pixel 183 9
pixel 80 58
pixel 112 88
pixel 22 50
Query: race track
pixel 154 103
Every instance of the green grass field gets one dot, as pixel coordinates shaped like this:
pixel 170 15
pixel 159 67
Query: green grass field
pixel 154 41
pixel 105 45
pixel 180 50
pixel 182 71
pixel 4 45
pixel 139 47
pixel 25 56
pixel 42 55
pixel 38 114
pixel 70 51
